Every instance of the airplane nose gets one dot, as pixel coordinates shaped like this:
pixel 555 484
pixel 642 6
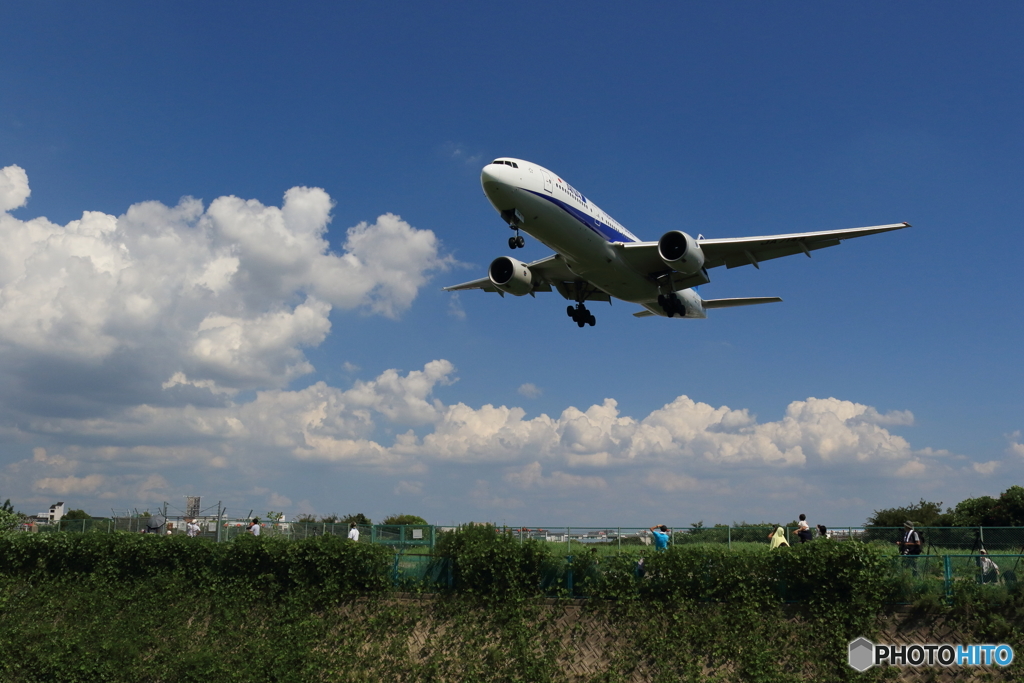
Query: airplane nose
pixel 490 174
pixel 491 179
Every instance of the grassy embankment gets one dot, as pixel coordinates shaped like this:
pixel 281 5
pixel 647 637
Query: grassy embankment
pixel 126 607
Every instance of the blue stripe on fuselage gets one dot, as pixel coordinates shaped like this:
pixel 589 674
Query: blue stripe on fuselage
pixel 606 231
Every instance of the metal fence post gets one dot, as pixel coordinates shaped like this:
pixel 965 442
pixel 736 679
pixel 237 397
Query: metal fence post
pixel 730 537
pixel 568 540
pixel 618 537
pixel 568 575
pixel 948 572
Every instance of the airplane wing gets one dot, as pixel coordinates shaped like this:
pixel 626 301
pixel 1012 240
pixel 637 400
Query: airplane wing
pixel 745 301
pixel 724 303
pixel 732 252
pixel 548 273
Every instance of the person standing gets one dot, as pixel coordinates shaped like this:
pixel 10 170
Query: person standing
pixel 255 528
pixel 353 532
pixel 191 528
pixel 911 543
pixel 778 538
pixel 661 533
pixel 803 530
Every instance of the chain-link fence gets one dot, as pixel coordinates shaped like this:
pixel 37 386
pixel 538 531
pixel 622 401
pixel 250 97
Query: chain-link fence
pixel 566 540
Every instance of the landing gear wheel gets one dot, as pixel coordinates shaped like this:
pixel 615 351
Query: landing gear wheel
pixel 580 323
pixel 570 311
pixel 592 320
pixel 513 243
pixel 520 242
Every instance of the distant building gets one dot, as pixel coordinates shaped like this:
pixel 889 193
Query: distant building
pixel 53 516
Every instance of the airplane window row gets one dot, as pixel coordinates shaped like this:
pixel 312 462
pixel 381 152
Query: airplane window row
pixel 507 163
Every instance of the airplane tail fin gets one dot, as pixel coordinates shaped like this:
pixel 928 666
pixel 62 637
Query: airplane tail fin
pixel 747 301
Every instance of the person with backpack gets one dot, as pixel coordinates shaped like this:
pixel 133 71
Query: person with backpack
pixel 911 543
pixel 910 546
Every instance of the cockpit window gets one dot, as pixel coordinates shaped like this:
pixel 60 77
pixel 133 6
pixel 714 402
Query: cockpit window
pixel 507 163
pixel 497 161
pixel 512 164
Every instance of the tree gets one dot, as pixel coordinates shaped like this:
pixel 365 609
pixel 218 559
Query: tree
pixel 405 519
pixel 76 514
pixel 9 518
pixel 1009 510
pixel 922 513
pixel 305 518
pixel 975 512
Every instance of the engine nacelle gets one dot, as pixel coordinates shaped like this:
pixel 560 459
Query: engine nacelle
pixel 680 252
pixel 510 275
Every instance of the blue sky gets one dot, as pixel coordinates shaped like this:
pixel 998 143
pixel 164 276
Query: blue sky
pixel 276 359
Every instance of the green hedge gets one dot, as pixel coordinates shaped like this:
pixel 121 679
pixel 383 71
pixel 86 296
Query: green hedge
pixel 320 569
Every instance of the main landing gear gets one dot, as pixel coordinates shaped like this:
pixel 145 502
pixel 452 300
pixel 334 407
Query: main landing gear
pixel 671 305
pixel 516 242
pixel 580 315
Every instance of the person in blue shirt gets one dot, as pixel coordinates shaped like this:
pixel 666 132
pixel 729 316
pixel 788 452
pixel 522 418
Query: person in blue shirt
pixel 661 533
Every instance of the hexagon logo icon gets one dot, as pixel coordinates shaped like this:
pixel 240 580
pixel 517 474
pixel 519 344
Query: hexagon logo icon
pixel 861 654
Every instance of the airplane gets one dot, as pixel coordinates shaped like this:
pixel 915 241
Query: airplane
pixel 596 258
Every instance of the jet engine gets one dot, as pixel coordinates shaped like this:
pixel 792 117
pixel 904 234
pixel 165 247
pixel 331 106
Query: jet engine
pixel 511 276
pixel 680 252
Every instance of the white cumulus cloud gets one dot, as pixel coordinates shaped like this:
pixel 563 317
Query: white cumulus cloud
pixel 14 191
pixel 214 299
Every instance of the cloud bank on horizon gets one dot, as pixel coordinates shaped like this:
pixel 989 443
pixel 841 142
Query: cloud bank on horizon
pixel 159 347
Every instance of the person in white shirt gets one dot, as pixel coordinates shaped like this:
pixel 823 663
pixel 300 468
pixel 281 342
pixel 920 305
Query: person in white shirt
pixel 192 528
pixel 989 569
pixel 803 530
pixel 255 528
pixel 353 532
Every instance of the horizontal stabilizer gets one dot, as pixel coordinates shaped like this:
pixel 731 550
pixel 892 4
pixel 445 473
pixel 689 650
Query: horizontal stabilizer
pixel 748 301
pixel 642 314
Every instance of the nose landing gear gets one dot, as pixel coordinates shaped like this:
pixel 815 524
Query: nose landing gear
pixel 514 220
pixel 580 315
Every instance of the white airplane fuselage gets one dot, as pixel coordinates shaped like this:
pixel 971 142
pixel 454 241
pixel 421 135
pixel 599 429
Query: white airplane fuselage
pixel 541 204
